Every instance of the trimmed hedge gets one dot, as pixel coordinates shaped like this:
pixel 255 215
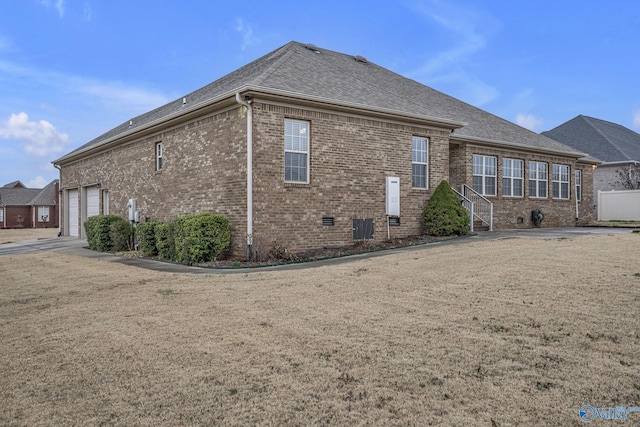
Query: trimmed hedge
pixel 164 242
pixel 146 237
pixel 201 237
pixel 444 214
pixel 108 233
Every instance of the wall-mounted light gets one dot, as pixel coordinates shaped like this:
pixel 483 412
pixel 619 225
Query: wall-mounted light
pixel 59 191
pixel 98 185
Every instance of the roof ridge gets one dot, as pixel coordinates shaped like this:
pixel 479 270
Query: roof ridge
pixel 277 64
pixel 606 138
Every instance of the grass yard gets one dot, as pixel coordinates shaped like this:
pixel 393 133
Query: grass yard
pixel 493 333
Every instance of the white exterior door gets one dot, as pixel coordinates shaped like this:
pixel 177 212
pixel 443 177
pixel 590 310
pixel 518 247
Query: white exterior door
pixel 72 212
pixel 93 201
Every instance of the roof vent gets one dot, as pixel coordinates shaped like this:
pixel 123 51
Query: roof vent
pixel 312 47
pixel 361 59
pixel 130 123
pixel 184 101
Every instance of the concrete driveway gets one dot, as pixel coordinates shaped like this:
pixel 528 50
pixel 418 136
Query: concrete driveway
pixel 75 246
pixel 63 244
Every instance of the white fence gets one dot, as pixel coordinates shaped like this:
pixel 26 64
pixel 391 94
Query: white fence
pixel 619 205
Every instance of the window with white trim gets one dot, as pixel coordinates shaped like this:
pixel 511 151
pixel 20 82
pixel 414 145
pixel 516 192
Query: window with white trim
pixel 105 202
pixel 158 156
pixel 296 151
pixel 560 182
pixel 43 211
pixel 419 162
pixel 512 177
pixel 1 214
pixel 578 185
pixel 484 175
pixel 538 180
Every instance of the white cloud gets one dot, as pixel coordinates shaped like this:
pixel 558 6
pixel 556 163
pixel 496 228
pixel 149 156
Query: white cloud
pixel 37 182
pixel 529 121
pixel 245 29
pixel 636 119
pixel 57 4
pixel 117 95
pixel 60 7
pixel 87 11
pixel 114 95
pixel 469 30
pixel 40 138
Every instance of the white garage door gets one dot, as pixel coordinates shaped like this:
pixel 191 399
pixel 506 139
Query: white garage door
pixel 93 201
pixel 72 212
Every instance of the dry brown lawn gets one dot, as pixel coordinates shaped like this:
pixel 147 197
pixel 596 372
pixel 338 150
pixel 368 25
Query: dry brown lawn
pixel 507 332
pixel 14 235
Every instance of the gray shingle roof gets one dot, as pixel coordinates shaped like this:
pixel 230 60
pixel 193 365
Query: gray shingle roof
pixel 46 196
pixel 16 196
pixel 340 79
pixel 14 184
pixel 605 140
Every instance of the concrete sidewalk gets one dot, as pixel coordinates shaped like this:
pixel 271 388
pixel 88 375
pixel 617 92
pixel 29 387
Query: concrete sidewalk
pixel 75 246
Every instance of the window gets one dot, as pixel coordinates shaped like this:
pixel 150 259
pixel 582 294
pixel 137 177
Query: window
pixel 419 157
pixel 43 211
pixel 484 175
pixel 560 182
pixel 1 215
pixel 512 177
pixel 296 151
pixel 578 185
pixel 159 156
pixel 538 180
pixel 105 202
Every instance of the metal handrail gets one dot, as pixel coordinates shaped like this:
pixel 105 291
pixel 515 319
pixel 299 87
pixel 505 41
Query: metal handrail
pixel 468 205
pixel 483 207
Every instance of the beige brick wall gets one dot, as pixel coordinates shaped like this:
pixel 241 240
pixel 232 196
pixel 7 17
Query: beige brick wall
pixel 204 170
pixel 350 158
pixel 507 210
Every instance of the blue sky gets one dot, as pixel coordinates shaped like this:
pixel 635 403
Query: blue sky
pixel 73 69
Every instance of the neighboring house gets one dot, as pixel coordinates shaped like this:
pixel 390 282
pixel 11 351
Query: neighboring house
pixel 297 147
pixel 617 147
pixel 22 207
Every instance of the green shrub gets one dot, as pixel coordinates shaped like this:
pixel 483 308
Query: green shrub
pixel 164 240
pixel 146 237
pixel 444 214
pixel 201 237
pixel 99 234
pixel 121 233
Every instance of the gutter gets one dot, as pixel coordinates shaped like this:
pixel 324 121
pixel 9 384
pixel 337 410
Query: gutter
pixel 389 113
pixel 511 145
pixel 620 162
pixel 60 194
pixel 247 103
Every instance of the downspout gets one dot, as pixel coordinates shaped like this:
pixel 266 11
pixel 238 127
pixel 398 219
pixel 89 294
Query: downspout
pixel 59 197
pixel 247 103
pixel 575 190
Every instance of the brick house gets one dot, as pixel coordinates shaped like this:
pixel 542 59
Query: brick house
pixel 297 148
pixel 615 145
pixel 22 207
